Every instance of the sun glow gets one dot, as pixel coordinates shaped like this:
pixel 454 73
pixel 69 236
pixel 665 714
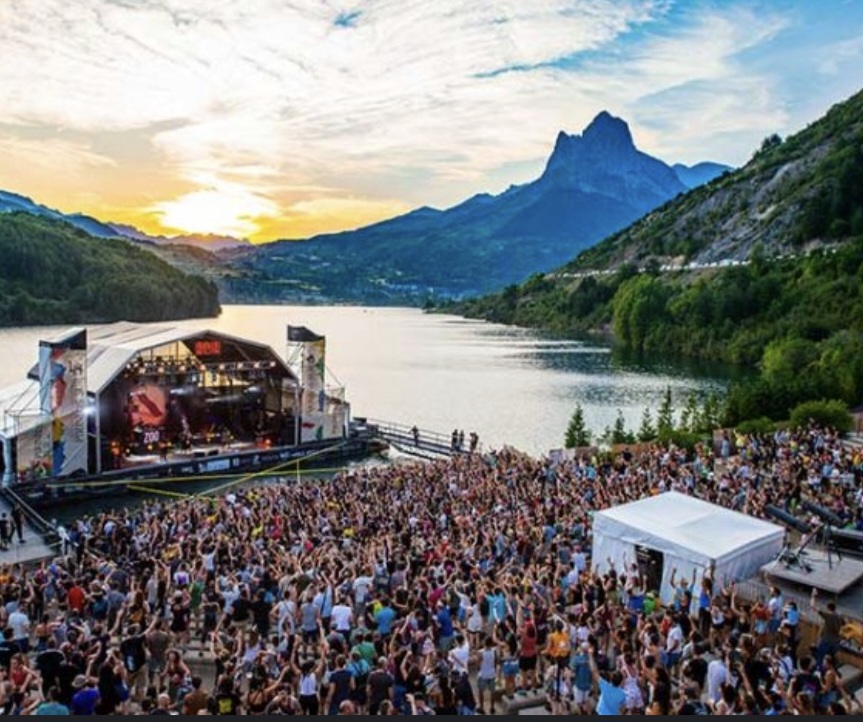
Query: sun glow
pixel 233 211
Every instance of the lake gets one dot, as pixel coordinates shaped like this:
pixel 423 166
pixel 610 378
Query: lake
pixel 512 386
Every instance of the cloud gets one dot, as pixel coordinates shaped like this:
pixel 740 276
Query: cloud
pixel 392 103
pixel 49 154
pixel 833 57
pixel 360 210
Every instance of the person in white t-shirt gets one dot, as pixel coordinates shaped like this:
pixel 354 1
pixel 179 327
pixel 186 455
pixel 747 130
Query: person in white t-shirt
pixel 487 675
pixel 342 617
pixel 673 645
pixel 459 656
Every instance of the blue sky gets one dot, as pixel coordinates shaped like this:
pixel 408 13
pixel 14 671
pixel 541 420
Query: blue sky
pixel 283 118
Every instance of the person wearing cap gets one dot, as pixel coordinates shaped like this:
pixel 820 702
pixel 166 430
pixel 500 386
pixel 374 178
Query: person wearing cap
pixel 85 697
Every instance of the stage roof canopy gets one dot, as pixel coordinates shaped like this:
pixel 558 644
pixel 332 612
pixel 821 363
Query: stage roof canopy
pixel 111 347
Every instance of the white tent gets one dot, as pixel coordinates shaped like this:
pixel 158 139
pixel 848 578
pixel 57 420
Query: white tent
pixel 690 534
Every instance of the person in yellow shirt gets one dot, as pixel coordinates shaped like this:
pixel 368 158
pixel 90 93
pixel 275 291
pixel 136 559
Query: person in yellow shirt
pixel 558 648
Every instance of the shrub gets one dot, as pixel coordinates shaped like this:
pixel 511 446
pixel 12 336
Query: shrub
pixel 825 413
pixel 761 425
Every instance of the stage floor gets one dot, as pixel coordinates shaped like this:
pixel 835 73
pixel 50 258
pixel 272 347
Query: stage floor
pixel 198 452
pixel 844 573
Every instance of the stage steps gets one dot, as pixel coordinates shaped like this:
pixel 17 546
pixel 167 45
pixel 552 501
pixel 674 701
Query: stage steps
pixel 34 549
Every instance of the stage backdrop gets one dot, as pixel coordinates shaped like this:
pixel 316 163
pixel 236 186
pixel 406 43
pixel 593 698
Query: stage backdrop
pixel 63 397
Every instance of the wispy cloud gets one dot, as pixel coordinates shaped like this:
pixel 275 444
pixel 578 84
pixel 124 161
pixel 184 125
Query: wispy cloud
pixel 377 105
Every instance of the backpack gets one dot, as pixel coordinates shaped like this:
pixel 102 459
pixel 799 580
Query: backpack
pixel 360 670
pixel 99 608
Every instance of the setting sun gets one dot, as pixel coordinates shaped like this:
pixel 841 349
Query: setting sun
pixel 232 211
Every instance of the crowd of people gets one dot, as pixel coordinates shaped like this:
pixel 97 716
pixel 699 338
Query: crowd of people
pixel 444 587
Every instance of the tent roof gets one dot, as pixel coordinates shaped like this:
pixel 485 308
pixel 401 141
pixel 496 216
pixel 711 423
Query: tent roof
pixel 112 346
pixel 20 407
pixel 706 529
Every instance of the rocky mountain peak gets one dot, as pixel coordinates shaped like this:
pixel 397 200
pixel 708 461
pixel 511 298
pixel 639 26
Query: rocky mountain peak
pixel 608 131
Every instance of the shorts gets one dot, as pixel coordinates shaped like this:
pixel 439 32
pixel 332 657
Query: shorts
pixel 137 679
pixel 580 696
pixel 527 664
pixel 510 668
pixel 486 683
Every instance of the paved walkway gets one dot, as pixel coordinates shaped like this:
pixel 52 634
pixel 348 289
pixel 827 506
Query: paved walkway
pixel 33 549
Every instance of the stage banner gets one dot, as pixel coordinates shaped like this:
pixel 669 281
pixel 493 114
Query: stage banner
pixel 312 427
pixel 314 375
pixel 318 427
pixel 63 396
pixel 33 444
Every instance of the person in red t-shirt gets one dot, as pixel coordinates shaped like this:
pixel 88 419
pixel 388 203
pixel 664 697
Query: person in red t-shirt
pixel 76 597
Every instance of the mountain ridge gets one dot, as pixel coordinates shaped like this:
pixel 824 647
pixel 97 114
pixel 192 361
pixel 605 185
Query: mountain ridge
pixel 593 184
pixel 784 198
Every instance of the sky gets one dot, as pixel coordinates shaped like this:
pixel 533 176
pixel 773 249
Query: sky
pixel 274 119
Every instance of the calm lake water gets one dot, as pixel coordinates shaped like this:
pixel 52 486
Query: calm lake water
pixel 512 386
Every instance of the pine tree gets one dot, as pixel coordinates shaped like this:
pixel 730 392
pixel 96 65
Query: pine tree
pixel 618 434
pixel 577 434
pixel 665 418
pixel 647 431
pixel 689 417
pixel 710 413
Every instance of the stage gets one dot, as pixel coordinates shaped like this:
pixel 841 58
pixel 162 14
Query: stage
pixel 196 452
pixel 836 579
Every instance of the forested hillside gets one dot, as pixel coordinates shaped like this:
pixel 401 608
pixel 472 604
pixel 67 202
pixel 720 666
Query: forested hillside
pixel 792 306
pixel 795 193
pixel 52 272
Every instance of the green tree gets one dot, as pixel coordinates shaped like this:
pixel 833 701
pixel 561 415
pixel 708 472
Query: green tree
pixel 665 417
pixel 639 304
pixel 619 434
pixel 577 434
pixel 711 413
pixel 769 143
pixel 647 431
pixel 824 413
pixel 689 415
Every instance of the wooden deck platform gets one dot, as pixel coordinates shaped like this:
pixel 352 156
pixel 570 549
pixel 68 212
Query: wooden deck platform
pixel 817 571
